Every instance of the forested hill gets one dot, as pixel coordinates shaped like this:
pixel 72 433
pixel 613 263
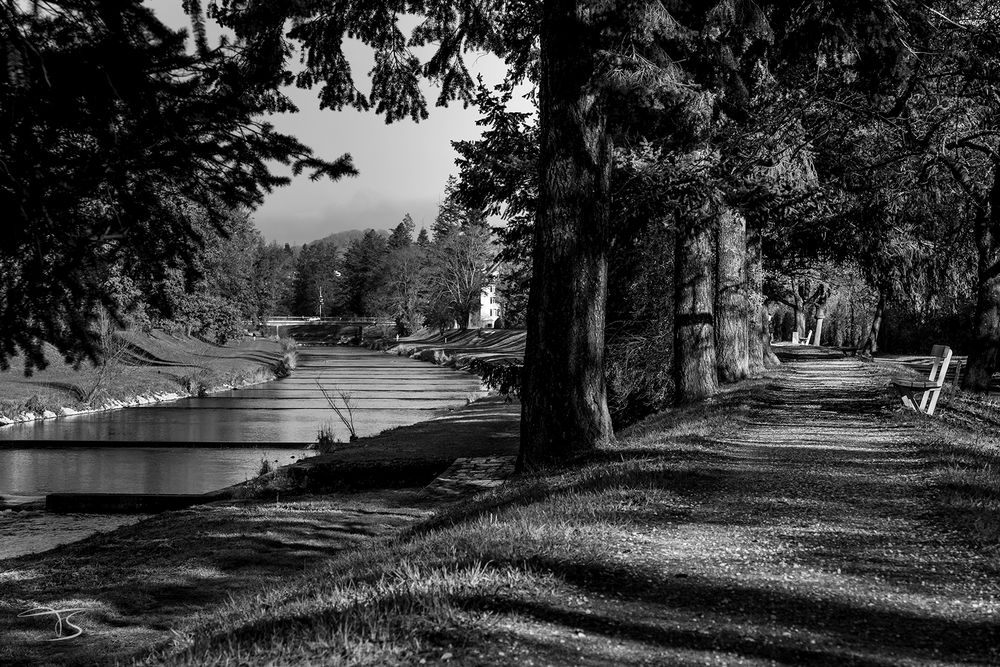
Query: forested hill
pixel 343 239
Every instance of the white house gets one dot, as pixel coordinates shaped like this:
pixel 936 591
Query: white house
pixel 489 306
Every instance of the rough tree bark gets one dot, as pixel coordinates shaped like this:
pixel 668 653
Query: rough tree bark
pixel 464 319
pixel 871 343
pixel 838 334
pixel 984 357
pixel 564 402
pixel 853 335
pixel 985 353
pixel 731 296
pixel 770 358
pixel 756 315
pixel 759 350
pixel 799 307
pixel 822 297
pixel 694 322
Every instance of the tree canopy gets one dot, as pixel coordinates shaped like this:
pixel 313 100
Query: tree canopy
pixel 115 139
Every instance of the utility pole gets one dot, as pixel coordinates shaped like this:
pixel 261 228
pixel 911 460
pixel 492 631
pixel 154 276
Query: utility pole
pixel 321 302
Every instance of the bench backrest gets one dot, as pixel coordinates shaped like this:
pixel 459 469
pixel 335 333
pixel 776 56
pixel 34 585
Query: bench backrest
pixel 942 358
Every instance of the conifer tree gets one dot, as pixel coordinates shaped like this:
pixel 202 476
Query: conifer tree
pixel 402 235
pixel 115 141
pixel 605 73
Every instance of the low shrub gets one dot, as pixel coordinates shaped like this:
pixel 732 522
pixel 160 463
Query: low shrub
pixel 10 409
pixel 270 485
pixel 36 404
pixel 195 384
pixel 638 363
pixel 502 377
pixel 265 467
pixel 289 360
pixel 325 440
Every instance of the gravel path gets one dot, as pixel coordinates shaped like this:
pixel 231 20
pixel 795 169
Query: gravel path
pixel 811 541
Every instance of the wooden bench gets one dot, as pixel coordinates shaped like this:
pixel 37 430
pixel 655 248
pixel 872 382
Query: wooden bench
pixel 928 390
pixel 801 341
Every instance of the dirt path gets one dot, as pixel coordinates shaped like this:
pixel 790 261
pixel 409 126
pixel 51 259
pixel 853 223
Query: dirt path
pixel 810 541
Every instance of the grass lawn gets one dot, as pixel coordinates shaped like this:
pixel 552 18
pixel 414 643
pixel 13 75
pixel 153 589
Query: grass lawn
pixel 145 585
pixel 794 520
pixel 156 362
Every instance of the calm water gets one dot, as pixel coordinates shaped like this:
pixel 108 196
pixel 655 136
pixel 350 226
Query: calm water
pixel 202 444
pixel 37 472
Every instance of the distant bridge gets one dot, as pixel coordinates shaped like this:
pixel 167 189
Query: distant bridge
pixel 293 320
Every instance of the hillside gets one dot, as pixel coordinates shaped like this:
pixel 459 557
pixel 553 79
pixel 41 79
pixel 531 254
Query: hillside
pixel 150 364
pixel 343 239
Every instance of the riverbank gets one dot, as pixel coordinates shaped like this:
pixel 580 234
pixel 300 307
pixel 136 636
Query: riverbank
pixel 154 367
pixel 31 531
pixel 798 519
pixel 459 348
pixel 383 392
pixel 495 355
pixel 142 582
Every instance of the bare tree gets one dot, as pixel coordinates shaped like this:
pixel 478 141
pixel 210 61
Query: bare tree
pixel 112 347
pixel 458 266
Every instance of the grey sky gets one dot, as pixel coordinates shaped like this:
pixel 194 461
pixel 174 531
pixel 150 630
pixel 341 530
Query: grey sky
pixel 404 166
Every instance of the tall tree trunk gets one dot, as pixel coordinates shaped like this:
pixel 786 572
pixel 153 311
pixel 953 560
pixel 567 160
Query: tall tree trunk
pixel 694 336
pixel 853 339
pixel 838 332
pixel 871 343
pixel 799 309
pixel 757 319
pixel 985 354
pixel 822 297
pixel 770 358
pixel 564 403
pixel 731 296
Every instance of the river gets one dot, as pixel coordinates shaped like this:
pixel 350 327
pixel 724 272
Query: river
pixel 195 445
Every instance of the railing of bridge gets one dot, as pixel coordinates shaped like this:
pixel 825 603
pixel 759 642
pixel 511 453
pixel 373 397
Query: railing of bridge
pixel 283 320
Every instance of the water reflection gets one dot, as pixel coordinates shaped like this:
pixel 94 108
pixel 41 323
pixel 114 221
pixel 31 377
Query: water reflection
pixel 110 456
pixel 40 471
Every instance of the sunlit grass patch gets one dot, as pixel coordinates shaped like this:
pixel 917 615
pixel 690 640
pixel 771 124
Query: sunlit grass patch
pixel 447 585
pixel 404 613
pixel 965 452
pixel 156 364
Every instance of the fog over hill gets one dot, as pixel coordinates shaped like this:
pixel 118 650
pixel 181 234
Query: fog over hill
pixel 339 239
pixel 343 239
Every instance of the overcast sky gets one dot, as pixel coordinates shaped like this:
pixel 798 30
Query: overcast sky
pixel 403 166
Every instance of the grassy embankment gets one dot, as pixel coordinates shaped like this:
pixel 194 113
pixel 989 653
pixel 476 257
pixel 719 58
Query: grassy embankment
pixel 493 354
pixel 148 367
pixel 682 544
pixel 963 444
